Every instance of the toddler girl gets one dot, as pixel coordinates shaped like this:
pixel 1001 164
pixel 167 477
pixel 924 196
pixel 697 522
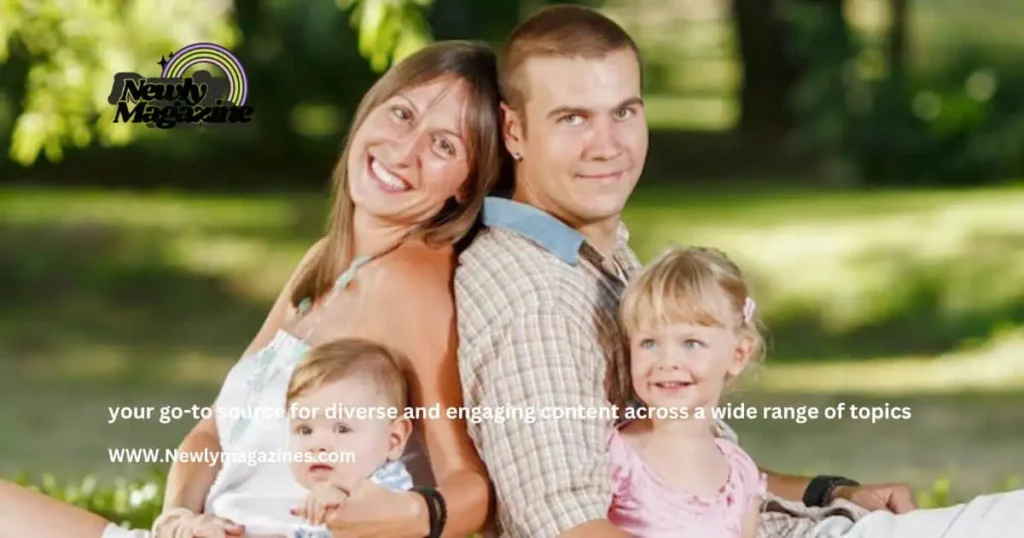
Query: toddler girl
pixel 691 328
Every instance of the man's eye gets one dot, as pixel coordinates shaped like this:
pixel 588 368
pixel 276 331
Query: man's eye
pixel 623 113
pixel 572 119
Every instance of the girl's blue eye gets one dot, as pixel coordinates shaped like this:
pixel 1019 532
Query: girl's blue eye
pixel 693 344
pixel 648 343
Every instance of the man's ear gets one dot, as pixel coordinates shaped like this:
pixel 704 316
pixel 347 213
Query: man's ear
pixel 512 129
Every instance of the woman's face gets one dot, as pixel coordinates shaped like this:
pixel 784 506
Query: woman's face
pixel 410 155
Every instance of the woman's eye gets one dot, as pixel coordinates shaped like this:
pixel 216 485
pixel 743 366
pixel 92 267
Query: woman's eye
pixel 342 428
pixel 447 147
pixel 401 113
pixel 304 430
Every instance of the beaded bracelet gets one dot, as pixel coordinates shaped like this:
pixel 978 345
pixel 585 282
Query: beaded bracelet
pixel 436 508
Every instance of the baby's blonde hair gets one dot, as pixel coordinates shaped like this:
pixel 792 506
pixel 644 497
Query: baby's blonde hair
pixel 695 285
pixel 349 357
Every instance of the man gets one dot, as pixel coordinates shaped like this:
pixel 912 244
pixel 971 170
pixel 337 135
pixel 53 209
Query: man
pixel 538 289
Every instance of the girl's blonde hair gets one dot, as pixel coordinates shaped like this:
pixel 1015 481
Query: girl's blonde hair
pixel 349 357
pixel 695 285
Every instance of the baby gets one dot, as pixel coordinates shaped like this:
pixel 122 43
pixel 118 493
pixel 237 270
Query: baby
pixel 345 405
pixel 692 330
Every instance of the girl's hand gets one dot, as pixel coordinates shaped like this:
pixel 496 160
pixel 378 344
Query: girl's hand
pixel 320 501
pixel 751 518
pixel 199 526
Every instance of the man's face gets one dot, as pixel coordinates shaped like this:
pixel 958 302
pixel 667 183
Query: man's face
pixel 585 138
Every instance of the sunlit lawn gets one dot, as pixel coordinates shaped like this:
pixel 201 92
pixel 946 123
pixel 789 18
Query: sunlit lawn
pixel 890 297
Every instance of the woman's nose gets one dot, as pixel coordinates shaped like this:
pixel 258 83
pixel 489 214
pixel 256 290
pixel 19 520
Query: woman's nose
pixel 403 150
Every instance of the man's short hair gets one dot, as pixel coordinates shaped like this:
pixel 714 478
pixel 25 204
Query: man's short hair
pixel 558 31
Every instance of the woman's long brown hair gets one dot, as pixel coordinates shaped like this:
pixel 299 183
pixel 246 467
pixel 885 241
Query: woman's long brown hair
pixel 475 65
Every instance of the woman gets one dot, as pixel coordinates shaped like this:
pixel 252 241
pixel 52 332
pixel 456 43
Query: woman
pixel 422 154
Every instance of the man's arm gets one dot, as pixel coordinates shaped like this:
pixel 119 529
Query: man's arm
pixel 551 475
pixel 896 498
pixel 787 486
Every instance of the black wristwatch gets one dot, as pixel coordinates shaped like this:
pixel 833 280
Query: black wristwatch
pixel 819 490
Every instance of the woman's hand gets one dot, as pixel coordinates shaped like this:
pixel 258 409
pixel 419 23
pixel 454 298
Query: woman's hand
pixel 373 511
pixel 320 501
pixel 199 526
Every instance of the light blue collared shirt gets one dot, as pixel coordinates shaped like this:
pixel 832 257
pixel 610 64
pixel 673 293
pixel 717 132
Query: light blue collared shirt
pixel 534 224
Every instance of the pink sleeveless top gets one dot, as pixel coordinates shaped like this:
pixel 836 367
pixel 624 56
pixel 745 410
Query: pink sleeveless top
pixel 647 507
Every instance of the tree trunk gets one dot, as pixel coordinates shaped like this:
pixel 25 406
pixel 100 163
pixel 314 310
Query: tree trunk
pixel 769 73
pixel 898 38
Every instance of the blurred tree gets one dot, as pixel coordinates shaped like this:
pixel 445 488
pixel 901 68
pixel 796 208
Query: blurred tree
pixel 74 48
pixel 897 41
pixel 769 71
pixel 772 67
pixel 389 30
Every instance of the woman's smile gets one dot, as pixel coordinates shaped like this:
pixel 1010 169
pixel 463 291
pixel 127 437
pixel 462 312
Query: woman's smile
pixel 384 178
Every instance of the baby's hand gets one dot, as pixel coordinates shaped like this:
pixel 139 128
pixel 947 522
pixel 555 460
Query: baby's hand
pixel 319 502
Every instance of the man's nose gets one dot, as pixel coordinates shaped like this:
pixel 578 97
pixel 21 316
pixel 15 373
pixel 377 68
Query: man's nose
pixel 603 143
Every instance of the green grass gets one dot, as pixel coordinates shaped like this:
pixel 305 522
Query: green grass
pixel 909 298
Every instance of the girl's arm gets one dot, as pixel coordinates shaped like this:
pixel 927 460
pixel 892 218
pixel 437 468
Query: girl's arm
pixel 790 487
pixel 751 518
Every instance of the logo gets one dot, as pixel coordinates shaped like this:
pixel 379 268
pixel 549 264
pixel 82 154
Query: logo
pixel 174 99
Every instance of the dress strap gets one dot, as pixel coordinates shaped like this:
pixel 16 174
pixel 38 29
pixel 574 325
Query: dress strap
pixel 340 283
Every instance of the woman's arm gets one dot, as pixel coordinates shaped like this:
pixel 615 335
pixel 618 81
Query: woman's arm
pixel 461 476
pixel 426 332
pixel 189 483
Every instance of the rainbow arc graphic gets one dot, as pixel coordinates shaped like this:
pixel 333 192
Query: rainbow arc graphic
pixel 211 53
